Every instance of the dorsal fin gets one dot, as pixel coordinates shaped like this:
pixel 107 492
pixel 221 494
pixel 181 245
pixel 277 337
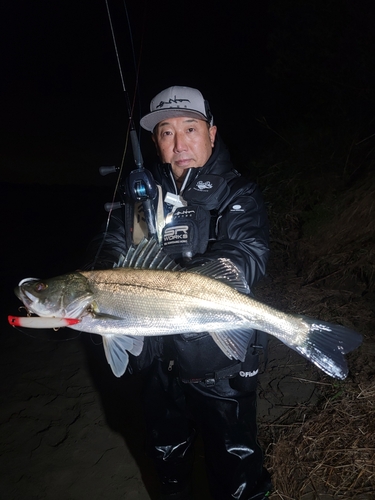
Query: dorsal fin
pixel 147 255
pixel 225 271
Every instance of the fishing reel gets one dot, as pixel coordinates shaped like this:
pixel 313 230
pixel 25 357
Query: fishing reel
pixel 138 185
pixel 141 186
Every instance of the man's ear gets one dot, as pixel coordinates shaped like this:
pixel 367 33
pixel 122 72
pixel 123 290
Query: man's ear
pixel 156 144
pixel 212 132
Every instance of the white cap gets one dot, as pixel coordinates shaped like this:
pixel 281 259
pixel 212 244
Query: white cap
pixel 177 101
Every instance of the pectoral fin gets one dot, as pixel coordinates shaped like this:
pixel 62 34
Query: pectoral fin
pixel 98 315
pixel 116 348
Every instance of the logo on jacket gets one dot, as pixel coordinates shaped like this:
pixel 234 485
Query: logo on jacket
pixel 176 233
pixel 248 374
pixel 203 186
pixel 184 213
pixel 237 208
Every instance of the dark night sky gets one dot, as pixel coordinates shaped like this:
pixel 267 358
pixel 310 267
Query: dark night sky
pixel 64 111
pixel 63 108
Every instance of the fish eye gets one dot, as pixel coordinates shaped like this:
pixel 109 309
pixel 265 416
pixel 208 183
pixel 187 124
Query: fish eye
pixel 39 287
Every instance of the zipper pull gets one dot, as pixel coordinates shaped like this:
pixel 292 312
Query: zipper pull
pixel 171 364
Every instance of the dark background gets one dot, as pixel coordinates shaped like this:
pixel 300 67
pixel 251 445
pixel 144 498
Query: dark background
pixel 63 107
pixel 65 113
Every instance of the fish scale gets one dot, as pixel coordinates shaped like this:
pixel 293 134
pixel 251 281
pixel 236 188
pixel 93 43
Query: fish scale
pixel 157 299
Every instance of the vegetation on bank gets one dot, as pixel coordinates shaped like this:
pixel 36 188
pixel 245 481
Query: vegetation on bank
pixel 319 186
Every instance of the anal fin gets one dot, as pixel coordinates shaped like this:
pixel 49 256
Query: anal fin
pixel 233 343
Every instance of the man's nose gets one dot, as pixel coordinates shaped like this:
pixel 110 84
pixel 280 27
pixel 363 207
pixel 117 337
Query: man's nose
pixel 179 143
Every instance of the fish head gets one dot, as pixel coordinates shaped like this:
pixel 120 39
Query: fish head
pixel 66 296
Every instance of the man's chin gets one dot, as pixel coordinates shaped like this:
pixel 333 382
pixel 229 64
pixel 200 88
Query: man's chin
pixel 184 165
pixel 180 171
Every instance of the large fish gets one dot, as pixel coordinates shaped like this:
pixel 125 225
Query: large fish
pixel 149 295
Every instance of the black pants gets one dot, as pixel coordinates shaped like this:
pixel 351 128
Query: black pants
pixel 226 418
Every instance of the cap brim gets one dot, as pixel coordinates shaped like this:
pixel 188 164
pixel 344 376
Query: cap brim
pixel 150 121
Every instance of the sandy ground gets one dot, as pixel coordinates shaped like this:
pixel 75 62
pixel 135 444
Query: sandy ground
pixel 71 430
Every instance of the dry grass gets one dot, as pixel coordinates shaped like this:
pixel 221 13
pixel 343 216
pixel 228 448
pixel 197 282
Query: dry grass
pixel 321 205
pixel 325 451
pixel 332 453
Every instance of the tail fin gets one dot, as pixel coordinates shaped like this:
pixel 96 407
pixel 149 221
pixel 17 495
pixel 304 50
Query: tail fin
pixel 326 345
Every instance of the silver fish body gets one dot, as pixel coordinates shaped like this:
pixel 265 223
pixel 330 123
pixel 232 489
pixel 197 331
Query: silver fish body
pixel 167 303
pixel 125 304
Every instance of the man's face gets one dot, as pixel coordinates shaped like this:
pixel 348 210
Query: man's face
pixel 184 142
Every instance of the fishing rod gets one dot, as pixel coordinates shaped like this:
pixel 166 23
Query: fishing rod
pixel 139 184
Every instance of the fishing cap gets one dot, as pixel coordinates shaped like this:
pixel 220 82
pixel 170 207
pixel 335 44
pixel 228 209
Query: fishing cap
pixel 177 101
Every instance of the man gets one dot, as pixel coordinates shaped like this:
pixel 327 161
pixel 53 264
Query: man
pixel 205 211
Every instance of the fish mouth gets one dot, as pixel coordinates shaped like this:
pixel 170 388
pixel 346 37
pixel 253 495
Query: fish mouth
pixel 56 306
pixel 25 297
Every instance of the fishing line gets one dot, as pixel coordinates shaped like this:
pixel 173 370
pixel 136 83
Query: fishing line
pixel 136 66
pixel 130 109
pixel 115 46
pixel 93 339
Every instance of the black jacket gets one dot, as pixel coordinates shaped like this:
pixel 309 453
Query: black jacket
pixel 239 226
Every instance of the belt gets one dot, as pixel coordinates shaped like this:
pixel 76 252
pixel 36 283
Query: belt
pixel 210 379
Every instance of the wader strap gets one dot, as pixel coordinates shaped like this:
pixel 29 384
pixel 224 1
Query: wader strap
pixel 160 219
pixel 140 229
pixel 128 223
